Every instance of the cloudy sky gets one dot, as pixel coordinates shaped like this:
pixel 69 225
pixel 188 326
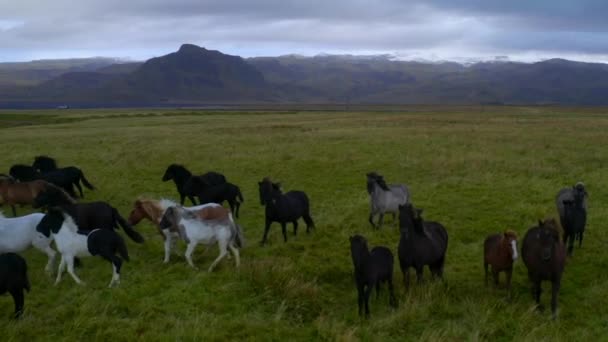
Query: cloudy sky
pixel 525 30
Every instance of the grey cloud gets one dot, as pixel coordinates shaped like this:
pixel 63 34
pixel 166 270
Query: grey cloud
pixel 144 28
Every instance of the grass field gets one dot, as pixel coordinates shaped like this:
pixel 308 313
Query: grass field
pixel 476 170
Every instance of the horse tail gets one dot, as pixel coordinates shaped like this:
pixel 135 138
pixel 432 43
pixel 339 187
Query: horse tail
pixel 239 194
pixel 239 238
pixel 85 182
pixel 121 246
pixel 134 235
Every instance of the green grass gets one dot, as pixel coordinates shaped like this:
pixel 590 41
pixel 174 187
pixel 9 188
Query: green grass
pixel 477 170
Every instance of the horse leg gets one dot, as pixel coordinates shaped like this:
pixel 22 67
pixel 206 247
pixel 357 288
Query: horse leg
pixel 284 230
pixel 44 245
pixel 266 229
pixel 380 221
pixel 406 278
pixel 419 272
pixel 232 207
pixel 295 228
pixel 360 297
pixel 17 294
pixel 237 206
pixel 571 238
pixel 377 289
pixel 508 273
pixel 116 266
pixel 496 277
pixel 223 251
pixel 168 244
pixel 537 292
pixel 191 198
pixel 485 267
pixel 371 219
pixel 70 262
pixel 554 293
pixel 368 292
pixel 392 301
pixel 182 198
pixel 309 222
pixel 235 252
pixel 14 210
pixel 60 269
pixel 189 251
pixel 580 239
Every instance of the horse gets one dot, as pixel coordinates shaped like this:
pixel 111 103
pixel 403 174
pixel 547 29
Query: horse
pixel 370 270
pixel 19 233
pixel 48 167
pixel 215 193
pixel 14 279
pixel 64 178
pixel 180 175
pixel 569 194
pixel 153 210
pixel 421 243
pixel 199 226
pixel 384 198
pixel 22 193
pixel 72 242
pixel 283 208
pixel 544 255
pixel 89 216
pixel 500 251
pixel 574 222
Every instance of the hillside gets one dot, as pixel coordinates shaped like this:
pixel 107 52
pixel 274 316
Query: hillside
pixel 195 75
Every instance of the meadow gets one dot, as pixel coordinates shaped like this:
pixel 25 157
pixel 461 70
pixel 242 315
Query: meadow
pixel 477 170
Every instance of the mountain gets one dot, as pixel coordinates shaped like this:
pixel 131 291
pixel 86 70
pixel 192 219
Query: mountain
pixel 195 75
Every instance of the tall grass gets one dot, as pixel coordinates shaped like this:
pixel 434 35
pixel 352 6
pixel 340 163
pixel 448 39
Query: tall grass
pixel 477 172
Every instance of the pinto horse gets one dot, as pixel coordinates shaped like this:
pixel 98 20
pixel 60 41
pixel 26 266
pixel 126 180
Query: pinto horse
pixel 22 193
pixel 500 251
pixel 153 211
pixel 422 243
pixel 72 242
pixel 283 208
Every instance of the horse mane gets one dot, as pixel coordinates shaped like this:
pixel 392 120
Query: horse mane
pixel 61 192
pixel 180 168
pixel 152 208
pixel 165 203
pixel 46 159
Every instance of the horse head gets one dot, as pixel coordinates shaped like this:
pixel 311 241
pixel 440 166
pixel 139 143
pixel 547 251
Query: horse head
pixel 267 190
pixel 547 238
pixel 358 249
pixel 509 240
pixel 176 171
pixel 44 163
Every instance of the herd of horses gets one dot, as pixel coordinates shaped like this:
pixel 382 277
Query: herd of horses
pixel 81 229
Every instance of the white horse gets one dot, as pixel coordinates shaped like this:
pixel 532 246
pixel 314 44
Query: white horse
pixel 71 244
pixel 225 232
pixel 19 233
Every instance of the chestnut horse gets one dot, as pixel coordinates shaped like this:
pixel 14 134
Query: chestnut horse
pixel 13 193
pixel 500 251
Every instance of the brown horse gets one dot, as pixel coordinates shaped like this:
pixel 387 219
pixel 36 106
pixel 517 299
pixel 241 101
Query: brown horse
pixel 13 193
pixel 500 251
pixel 545 257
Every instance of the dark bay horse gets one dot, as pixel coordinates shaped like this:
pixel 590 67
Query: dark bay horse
pixel 571 194
pixel 14 279
pixel 370 270
pixel 215 193
pixel 23 193
pixel 500 251
pixel 574 220
pixel 544 255
pixel 64 178
pixel 421 243
pixel 283 208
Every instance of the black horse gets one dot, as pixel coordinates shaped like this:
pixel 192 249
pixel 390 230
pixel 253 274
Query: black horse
pixel 89 216
pixel 370 270
pixel 181 177
pixel 421 243
pixel 215 193
pixel 545 257
pixel 64 178
pixel 13 279
pixel 47 166
pixel 283 208
pixel 574 220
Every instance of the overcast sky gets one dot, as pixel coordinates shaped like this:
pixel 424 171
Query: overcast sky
pixel 526 30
